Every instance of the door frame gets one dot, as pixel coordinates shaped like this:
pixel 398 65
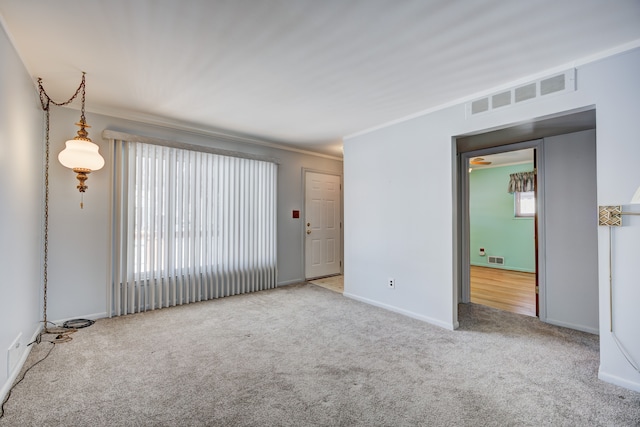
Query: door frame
pixel 304 215
pixel 464 262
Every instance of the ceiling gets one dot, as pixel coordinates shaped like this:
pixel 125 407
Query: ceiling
pixel 304 73
pixel 505 159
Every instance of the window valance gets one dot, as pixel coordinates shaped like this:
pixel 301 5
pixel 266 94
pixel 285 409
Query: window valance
pixel 122 136
pixel 522 181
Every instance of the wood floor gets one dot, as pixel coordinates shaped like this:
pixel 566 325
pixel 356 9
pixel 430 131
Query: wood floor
pixel 512 291
pixel 334 283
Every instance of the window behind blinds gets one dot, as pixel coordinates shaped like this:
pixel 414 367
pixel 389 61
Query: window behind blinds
pixel 189 226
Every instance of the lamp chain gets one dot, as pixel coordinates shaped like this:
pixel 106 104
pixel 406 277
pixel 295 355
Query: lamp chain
pixel 46 102
pixel 46 221
pixel 82 119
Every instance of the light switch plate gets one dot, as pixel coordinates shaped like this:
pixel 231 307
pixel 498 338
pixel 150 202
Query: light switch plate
pixel 610 216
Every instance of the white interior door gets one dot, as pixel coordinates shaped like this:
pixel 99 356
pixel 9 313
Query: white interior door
pixel 322 225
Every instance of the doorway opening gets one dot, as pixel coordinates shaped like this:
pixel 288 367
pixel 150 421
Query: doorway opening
pixel 565 233
pixel 499 263
pixel 502 231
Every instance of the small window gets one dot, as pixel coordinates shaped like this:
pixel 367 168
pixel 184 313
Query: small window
pixel 525 204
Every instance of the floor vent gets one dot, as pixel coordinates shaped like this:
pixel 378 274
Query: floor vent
pixel 496 260
pixel 557 83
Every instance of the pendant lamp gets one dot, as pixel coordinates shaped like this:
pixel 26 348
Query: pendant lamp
pixel 81 154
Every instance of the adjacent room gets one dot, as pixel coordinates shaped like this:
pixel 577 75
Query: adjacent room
pixel 502 232
pixel 300 212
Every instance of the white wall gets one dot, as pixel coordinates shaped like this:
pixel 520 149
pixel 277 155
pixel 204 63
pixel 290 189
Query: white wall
pixel 400 192
pixel 398 219
pixel 21 211
pixel 79 238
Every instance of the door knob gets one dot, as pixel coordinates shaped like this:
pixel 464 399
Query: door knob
pixel 308 231
pixel 308 224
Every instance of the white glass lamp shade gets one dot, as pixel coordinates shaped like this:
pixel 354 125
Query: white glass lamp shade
pixel 80 154
pixel 636 197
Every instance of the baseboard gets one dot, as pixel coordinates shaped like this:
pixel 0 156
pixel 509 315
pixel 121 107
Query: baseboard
pixel 503 267
pixel 582 328
pixel 14 375
pixel 436 322
pixel 290 282
pixel 613 379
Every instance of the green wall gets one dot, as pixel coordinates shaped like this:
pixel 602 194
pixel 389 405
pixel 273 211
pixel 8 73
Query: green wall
pixel 493 225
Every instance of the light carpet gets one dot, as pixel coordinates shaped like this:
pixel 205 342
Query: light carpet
pixel 301 355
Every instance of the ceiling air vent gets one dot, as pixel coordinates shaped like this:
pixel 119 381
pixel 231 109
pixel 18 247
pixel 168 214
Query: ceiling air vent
pixel 525 92
pixel 501 99
pixel 555 84
pixel 480 106
pixel 552 84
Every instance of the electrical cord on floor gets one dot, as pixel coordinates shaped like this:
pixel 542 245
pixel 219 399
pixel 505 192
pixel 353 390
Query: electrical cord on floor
pixel 6 399
pixel 78 323
pixel 57 335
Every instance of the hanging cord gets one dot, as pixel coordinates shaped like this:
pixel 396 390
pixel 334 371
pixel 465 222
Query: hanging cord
pixel 613 334
pixel 45 102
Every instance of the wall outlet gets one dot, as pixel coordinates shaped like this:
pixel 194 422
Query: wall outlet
pixel 14 353
pixel 391 283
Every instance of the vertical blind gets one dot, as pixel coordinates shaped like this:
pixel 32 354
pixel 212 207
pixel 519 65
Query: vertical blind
pixel 189 226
